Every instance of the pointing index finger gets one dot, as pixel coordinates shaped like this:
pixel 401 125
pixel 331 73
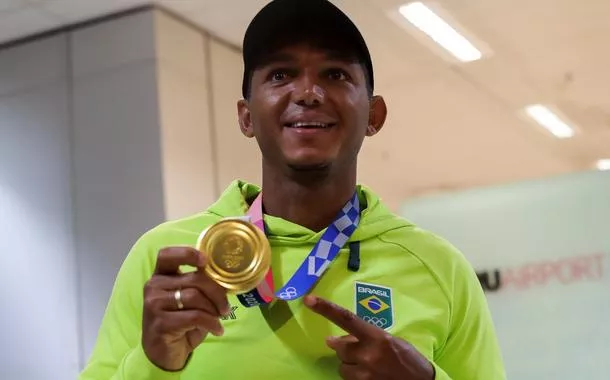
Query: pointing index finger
pixel 343 318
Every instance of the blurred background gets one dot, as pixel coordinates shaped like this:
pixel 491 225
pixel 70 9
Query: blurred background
pixel 116 115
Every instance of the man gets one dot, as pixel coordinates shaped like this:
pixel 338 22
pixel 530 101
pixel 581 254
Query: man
pixel 395 303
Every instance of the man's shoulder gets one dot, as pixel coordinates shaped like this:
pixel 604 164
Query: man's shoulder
pixel 421 242
pixel 441 257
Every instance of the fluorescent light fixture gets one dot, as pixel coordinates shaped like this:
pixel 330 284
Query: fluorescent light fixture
pixel 547 119
pixel 442 33
pixel 603 164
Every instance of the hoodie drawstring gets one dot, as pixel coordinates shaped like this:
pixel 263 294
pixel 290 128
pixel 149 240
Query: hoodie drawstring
pixel 353 262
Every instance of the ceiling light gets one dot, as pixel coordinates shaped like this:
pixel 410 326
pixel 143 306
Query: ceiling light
pixel 441 32
pixel 550 121
pixel 603 164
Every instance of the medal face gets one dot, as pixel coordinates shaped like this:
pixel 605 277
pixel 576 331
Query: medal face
pixel 238 254
pixel 234 253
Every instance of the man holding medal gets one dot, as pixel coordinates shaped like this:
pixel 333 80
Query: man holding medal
pixel 310 276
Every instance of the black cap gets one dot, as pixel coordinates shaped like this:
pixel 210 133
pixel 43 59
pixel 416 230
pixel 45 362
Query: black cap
pixel 284 22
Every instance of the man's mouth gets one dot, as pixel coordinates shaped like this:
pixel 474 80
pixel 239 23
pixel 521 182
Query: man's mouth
pixel 309 125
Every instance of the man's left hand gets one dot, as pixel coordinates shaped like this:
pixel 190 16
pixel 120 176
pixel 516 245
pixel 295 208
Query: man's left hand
pixel 369 352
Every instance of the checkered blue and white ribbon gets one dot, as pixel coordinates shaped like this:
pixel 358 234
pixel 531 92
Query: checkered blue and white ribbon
pixel 315 264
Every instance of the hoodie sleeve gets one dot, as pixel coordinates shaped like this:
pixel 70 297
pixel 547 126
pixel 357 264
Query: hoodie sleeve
pixel 118 353
pixel 471 351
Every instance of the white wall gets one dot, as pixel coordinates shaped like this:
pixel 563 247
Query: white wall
pixel 550 241
pixel 189 164
pixel 238 156
pixel 118 177
pixel 105 131
pixel 38 281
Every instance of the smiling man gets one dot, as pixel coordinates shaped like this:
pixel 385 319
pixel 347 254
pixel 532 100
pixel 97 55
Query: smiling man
pixel 359 292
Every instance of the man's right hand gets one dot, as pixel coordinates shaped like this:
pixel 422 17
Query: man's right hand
pixel 170 331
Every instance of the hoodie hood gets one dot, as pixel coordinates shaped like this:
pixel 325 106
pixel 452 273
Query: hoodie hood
pixel 375 217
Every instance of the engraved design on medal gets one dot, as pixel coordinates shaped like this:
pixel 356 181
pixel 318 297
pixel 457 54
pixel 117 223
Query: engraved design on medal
pixel 233 252
pixel 239 254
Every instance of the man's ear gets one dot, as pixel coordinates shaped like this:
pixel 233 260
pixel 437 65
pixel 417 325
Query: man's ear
pixel 245 121
pixel 377 115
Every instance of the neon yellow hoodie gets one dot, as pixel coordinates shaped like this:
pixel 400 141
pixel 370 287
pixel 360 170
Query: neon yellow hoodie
pixel 424 291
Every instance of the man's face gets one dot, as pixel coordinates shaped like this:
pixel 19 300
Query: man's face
pixel 310 110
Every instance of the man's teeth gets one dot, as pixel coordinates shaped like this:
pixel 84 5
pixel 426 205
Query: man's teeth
pixel 308 124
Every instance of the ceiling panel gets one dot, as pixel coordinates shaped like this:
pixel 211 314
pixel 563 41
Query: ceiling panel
pixel 448 115
pixel 71 11
pixel 8 5
pixel 25 20
pixel 227 19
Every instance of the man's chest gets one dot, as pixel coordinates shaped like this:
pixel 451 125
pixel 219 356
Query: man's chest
pixel 399 297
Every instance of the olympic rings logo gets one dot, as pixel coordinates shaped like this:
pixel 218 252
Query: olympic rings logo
pixel 289 293
pixel 379 322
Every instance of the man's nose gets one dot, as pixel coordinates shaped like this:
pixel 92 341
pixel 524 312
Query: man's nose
pixel 307 91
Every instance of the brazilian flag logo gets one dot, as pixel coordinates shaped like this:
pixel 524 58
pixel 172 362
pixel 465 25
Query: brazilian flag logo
pixel 374 304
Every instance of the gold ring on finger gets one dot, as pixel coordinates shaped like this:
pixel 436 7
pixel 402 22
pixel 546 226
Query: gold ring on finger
pixel 178 298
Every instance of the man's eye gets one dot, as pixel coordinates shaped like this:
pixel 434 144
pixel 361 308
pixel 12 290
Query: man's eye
pixel 278 75
pixel 337 74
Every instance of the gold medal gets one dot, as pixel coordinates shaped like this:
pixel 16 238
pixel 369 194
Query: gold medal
pixel 238 254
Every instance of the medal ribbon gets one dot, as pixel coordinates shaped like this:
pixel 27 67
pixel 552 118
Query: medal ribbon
pixel 315 264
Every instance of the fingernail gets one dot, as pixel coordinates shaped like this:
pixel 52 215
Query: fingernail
pixel 331 341
pixel 220 332
pixel 310 300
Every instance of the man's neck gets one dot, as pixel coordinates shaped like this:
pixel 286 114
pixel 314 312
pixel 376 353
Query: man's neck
pixel 312 204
